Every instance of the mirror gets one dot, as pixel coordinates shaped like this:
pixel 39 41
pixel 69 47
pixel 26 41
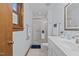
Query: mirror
pixel 15 15
pixel 15 18
pixel 71 16
pixel 14 6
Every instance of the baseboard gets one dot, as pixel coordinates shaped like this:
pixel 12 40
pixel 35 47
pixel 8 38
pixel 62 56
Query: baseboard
pixel 27 51
pixel 45 44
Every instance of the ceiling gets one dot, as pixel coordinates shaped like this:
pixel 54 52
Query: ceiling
pixel 39 9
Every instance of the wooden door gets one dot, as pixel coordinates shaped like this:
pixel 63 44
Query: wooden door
pixel 5 30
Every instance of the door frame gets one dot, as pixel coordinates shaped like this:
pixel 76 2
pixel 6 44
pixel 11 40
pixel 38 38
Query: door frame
pixel 35 19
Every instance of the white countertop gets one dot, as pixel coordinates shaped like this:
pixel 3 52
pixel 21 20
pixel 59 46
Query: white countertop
pixel 68 47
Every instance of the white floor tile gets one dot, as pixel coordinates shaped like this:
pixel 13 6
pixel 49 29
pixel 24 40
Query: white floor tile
pixel 38 52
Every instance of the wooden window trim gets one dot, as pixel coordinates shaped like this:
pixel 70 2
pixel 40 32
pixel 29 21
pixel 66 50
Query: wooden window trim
pixel 19 26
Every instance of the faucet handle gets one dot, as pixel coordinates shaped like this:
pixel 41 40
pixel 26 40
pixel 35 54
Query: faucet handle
pixel 75 36
pixel 77 41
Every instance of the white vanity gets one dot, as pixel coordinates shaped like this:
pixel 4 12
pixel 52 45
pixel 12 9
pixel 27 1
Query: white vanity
pixel 62 47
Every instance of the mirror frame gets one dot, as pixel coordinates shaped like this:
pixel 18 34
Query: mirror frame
pixel 19 12
pixel 65 19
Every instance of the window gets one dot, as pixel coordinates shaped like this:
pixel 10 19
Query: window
pixel 17 14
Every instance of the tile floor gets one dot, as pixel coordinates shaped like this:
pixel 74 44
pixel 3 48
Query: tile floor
pixel 38 52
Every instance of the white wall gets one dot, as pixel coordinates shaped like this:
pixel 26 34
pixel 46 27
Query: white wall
pixel 38 9
pixel 44 23
pixel 21 42
pixel 56 15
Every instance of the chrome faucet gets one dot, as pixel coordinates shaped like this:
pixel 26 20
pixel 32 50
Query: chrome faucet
pixel 77 39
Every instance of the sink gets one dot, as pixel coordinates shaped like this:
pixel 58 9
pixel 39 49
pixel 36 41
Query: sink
pixel 70 45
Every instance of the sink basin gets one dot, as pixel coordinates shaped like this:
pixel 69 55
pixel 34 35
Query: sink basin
pixel 70 45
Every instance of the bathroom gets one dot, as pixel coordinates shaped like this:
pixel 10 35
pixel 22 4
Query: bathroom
pixel 54 15
pixel 58 26
pixel 40 29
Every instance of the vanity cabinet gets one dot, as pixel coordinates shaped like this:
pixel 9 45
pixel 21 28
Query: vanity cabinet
pixel 54 50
